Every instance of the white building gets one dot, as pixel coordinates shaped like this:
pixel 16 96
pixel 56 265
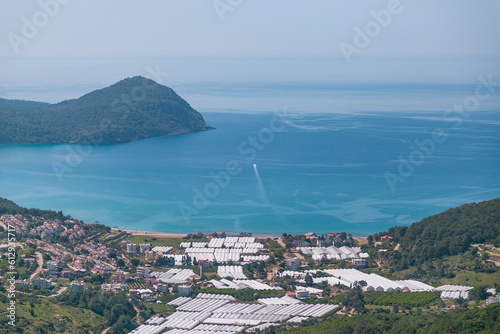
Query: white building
pixel 114 287
pixel 41 283
pixel 52 267
pixel 131 248
pixel 149 255
pixel 121 276
pixel 299 290
pixel 143 272
pixel 76 286
pixel 351 277
pixel 144 247
pixel 454 291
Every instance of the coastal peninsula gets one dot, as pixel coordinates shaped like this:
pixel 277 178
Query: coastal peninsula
pixel 131 109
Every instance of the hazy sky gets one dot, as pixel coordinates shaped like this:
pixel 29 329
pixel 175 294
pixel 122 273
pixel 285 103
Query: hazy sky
pixel 247 27
pixel 57 49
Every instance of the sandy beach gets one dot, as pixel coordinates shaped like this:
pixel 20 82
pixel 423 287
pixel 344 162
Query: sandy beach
pixel 151 234
pixel 361 240
pixel 174 235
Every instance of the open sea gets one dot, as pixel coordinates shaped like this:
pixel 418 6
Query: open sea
pixel 286 156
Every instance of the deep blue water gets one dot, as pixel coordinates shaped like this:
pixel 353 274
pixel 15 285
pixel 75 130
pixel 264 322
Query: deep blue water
pixel 321 162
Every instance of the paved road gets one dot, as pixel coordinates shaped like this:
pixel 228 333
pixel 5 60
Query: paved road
pixel 61 290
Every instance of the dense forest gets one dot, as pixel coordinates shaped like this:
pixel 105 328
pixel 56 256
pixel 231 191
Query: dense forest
pixel 24 103
pixel 116 308
pixel 449 233
pixel 462 320
pixel 131 109
pixel 11 208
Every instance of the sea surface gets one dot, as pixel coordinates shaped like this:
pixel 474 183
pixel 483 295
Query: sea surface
pixel 286 156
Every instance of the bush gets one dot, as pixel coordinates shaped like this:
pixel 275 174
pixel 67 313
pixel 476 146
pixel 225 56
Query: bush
pixel 413 299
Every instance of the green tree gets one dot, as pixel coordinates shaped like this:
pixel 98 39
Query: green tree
pixel 478 293
pixel 309 280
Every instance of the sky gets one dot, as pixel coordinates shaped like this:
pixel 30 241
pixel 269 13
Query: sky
pixel 250 28
pixel 79 33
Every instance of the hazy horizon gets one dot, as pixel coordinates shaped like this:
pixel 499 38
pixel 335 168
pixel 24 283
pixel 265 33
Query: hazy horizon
pixel 52 50
pixel 52 79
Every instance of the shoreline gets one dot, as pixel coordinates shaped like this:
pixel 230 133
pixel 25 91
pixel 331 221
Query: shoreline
pixel 153 234
pixel 362 240
pixel 178 235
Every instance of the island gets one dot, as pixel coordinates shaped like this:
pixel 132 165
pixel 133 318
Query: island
pixel 131 109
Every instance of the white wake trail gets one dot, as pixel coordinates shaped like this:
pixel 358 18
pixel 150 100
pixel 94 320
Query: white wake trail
pixel 263 196
pixel 262 190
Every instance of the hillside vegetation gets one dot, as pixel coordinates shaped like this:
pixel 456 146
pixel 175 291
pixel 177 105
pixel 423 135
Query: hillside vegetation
pixel 475 320
pixel 11 208
pixel 36 315
pixel 131 109
pixel 414 299
pixel 449 233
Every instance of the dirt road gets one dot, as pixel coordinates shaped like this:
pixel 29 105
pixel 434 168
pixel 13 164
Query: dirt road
pixel 39 260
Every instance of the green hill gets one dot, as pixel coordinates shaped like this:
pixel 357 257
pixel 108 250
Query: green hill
pixel 10 208
pixel 449 233
pixel 463 320
pixel 25 103
pixel 131 109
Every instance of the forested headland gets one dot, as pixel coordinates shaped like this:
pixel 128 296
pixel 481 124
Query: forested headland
pixel 132 109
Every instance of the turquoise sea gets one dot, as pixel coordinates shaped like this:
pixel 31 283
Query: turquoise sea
pixel 285 157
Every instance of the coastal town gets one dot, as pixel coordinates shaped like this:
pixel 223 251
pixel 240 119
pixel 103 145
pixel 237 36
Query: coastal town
pixel 222 282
